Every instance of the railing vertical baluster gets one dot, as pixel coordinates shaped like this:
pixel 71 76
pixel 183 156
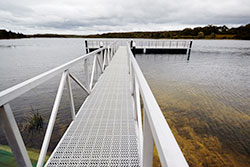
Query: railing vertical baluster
pixel 110 56
pixel 96 67
pixel 72 105
pixel 104 61
pixel 14 138
pixel 86 70
pixel 51 121
pixel 107 55
pixel 148 142
pixel 92 74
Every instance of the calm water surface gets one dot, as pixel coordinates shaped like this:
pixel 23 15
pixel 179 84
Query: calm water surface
pixel 207 99
pixel 210 94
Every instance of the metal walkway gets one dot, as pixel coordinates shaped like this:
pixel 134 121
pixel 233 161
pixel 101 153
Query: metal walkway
pixel 103 132
pixel 108 129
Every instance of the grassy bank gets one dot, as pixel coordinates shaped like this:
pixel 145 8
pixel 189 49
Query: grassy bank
pixel 7 159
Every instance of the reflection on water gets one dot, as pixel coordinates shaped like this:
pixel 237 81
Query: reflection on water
pixel 206 100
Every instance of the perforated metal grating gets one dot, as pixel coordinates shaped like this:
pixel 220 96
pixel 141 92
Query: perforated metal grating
pixel 104 131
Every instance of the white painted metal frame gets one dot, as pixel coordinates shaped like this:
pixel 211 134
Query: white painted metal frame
pixel 8 122
pixel 155 128
pixel 173 44
pixel 10 128
pixel 145 43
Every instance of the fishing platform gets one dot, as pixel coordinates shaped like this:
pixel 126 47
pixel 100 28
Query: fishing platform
pixel 117 125
pixel 148 46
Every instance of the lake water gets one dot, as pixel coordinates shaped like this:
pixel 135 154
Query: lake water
pixel 206 100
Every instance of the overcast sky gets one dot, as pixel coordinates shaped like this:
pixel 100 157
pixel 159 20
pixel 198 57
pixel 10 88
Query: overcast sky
pixel 98 16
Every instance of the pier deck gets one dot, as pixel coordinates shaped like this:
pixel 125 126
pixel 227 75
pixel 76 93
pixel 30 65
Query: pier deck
pixel 103 132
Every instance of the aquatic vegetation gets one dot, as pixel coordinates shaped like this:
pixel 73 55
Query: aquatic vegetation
pixel 34 122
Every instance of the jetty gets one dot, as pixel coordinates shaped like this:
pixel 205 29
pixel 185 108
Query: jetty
pixel 119 122
pixel 148 46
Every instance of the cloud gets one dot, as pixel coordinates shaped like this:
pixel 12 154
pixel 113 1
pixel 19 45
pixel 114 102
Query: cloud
pixel 97 16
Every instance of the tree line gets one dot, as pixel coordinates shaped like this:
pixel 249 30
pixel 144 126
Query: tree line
pixel 206 32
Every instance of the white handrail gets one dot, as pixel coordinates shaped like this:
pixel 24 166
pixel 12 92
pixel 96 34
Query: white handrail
pixel 155 125
pixel 19 89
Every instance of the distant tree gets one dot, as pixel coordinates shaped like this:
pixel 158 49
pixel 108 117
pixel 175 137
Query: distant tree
pixel 213 35
pixel 200 35
pixel 187 31
pixel 243 32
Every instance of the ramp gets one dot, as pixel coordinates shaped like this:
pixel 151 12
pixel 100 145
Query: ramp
pixel 104 131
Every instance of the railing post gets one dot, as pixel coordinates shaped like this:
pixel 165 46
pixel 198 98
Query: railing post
pixel 72 105
pixel 51 121
pixel 14 138
pixel 96 67
pixel 86 70
pixel 106 57
pixel 148 142
pixel 86 46
pixel 104 60
pixel 107 54
pixel 92 73
pixel 133 47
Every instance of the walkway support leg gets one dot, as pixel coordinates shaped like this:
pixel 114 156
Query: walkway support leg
pixel 189 50
pixel 14 138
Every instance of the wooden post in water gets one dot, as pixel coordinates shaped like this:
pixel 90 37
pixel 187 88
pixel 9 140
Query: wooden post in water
pixel 189 50
pixel 86 46
pixel 131 43
pixel 132 46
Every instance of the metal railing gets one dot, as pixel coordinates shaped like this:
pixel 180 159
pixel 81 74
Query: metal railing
pixel 92 43
pixel 155 128
pixel 102 57
pixel 174 44
pixel 144 43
